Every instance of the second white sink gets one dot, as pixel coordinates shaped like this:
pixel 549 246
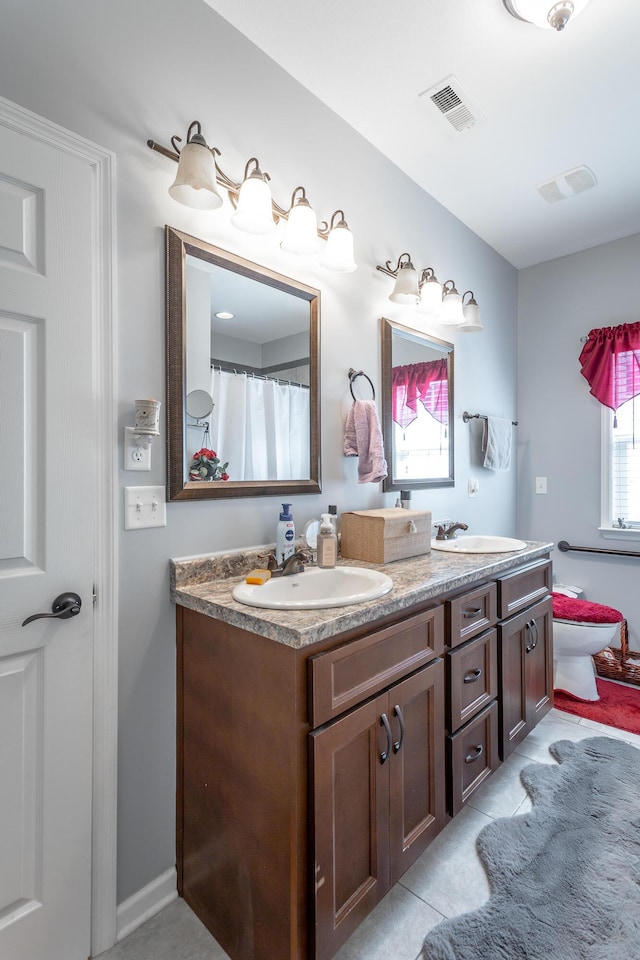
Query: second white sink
pixel 316 588
pixel 479 544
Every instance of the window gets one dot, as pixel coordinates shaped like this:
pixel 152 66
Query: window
pixel 621 465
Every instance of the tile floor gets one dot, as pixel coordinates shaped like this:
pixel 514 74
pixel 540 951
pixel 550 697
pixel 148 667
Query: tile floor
pixel 447 880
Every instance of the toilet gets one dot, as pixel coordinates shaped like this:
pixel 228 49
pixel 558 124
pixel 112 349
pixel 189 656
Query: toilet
pixel 580 629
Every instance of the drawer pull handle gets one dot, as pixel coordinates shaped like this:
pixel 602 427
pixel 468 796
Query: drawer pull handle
pixel 470 757
pixel 472 677
pixel 467 614
pixel 384 754
pixel 397 744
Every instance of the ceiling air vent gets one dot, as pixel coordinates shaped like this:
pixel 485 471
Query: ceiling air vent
pixel 454 104
pixel 567 184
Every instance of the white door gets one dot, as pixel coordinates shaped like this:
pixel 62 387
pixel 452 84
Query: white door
pixel 46 549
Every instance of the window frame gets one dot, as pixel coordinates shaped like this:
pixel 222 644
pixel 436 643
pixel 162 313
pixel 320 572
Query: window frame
pixel 606 528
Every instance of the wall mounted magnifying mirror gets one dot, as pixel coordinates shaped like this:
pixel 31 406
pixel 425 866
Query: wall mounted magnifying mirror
pixel 242 376
pixel 417 403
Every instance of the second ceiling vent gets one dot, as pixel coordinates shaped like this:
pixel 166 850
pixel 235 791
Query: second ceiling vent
pixel 454 104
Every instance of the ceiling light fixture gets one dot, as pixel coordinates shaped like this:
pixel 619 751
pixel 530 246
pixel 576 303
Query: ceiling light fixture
pixel 440 302
pixel 255 211
pixel 545 13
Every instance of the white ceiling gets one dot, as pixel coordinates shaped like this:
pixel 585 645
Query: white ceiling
pixel 552 101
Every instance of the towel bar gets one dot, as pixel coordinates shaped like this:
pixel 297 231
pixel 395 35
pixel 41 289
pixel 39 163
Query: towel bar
pixel 480 416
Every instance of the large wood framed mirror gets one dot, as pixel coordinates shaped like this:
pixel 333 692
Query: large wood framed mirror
pixel 417 407
pixel 242 376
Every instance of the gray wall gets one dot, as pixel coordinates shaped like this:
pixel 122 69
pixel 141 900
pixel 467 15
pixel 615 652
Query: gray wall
pixel 559 432
pixel 121 72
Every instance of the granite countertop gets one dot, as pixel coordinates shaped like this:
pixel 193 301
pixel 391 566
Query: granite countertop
pixel 204 584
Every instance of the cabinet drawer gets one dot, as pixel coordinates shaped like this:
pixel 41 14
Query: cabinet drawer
pixel 519 590
pixel 349 674
pixel 471 613
pixel 472 678
pixel 472 755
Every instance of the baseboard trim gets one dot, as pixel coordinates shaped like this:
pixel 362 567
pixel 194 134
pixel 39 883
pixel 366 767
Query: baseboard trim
pixel 144 904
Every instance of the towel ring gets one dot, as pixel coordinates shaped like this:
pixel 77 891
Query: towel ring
pixel 360 373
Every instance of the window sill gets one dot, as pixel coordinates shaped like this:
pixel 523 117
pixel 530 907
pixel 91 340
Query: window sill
pixel 617 533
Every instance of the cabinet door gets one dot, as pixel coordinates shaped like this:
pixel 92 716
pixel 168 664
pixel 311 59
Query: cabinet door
pixel 417 768
pixel 350 821
pixel 539 663
pixel 525 673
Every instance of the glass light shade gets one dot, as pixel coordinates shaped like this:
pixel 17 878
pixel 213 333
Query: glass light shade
pixel 195 182
pixel 406 286
pixel 338 252
pixel 548 14
pixel 451 311
pixel 254 212
pixel 301 231
pixel 472 322
pixel 430 297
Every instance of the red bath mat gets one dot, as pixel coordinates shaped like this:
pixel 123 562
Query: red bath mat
pixel 618 706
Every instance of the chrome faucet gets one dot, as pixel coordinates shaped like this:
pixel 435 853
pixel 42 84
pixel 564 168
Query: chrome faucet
pixel 294 564
pixel 448 532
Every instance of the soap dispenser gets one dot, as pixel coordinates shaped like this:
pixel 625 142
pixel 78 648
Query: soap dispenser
pixel 285 535
pixel 327 543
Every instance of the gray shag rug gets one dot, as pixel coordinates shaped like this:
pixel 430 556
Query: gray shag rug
pixel 564 878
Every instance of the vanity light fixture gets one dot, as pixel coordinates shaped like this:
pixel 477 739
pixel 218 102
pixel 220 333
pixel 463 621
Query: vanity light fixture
pixel 440 302
pixel 471 312
pixel 301 230
pixel 338 250
pixel 545 13
pixel 255 211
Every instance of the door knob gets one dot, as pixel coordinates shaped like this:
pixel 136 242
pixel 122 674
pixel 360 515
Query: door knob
pixel 65 606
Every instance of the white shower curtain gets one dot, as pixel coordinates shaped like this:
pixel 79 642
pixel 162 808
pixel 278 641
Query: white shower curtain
pixel 261 426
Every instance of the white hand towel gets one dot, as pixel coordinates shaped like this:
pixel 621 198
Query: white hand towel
pixel 363 439
pixel 496 443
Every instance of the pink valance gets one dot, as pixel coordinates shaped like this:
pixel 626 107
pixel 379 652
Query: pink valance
pixel 426 382
pixel 610 361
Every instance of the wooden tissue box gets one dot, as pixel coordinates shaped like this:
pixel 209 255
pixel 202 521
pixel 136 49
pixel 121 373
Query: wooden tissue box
pixel 380 536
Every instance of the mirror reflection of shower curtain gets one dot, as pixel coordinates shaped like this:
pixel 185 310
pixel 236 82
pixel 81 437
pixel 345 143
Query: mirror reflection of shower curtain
pixel 261 426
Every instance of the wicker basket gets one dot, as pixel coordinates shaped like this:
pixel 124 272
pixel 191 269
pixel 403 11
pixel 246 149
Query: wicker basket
pixel 619 663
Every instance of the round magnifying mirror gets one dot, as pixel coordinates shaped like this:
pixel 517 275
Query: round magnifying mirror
pixel 199 404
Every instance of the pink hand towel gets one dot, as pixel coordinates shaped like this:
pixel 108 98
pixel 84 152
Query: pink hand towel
pixel 363 427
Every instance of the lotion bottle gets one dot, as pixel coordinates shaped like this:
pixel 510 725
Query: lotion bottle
pixel 285 535
pixel 327 543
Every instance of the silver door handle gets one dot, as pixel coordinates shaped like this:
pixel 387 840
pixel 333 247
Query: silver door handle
pixel 65 606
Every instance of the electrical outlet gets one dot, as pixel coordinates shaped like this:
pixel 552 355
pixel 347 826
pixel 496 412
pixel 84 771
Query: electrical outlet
pixel 137 451
pixel 541 484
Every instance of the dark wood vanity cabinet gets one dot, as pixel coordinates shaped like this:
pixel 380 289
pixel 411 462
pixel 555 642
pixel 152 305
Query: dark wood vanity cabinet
pixel 310 778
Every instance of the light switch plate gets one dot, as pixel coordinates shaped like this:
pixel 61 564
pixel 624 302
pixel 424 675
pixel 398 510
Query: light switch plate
pixel 541 484
pixel 144 507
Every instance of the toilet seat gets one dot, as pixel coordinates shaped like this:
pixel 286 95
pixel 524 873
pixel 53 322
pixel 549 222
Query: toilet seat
pixel 583 611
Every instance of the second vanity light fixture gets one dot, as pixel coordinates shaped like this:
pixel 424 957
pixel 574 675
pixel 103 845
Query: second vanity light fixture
pixel 439 301
pixel 255 210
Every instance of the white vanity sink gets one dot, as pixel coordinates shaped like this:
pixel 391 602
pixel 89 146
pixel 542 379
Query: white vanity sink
pixel 479 544
pixel 316 588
